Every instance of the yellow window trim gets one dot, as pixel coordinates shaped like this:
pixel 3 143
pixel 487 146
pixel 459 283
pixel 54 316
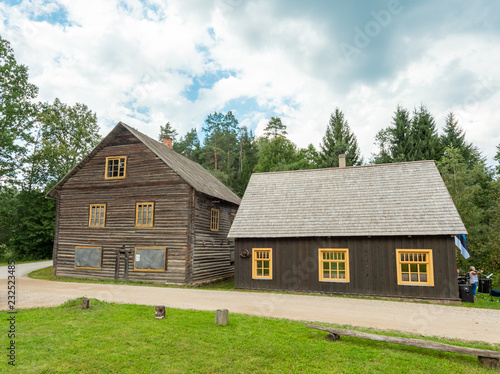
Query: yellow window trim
pixel 137 224
pixel 87 267
pixel 108 159
pixel 321 262
pixel 214 219
pixel 152 270
pixel 231 218
pixel 104 215
pixel 255 259
pixel 428 261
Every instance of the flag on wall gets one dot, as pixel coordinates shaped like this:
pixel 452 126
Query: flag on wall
pixel 461 243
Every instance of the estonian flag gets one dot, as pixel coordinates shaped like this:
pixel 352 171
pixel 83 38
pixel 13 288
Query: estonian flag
pixel 461 243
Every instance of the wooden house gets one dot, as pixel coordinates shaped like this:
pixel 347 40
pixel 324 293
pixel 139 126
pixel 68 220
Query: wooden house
pixel 380 230
pixel 135 209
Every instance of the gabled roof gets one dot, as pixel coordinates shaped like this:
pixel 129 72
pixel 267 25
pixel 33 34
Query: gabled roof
pixel 378 200
pixel 193 173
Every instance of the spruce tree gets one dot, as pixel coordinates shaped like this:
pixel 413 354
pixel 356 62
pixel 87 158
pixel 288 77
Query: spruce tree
pixel 424 137
pixel 339 139
pixel 454 137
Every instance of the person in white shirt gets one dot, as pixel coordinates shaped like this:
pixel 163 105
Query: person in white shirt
pixel 474 279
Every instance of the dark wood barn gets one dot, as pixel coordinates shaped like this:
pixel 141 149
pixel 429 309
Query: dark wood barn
pixel 380 230
pixel 135 209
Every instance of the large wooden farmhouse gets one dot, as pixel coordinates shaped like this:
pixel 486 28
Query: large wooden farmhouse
pixel 381 230
pixel 135 209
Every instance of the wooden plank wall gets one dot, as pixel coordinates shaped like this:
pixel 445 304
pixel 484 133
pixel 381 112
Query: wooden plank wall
pixel 372 266
pixel 148 179
pixel 213 252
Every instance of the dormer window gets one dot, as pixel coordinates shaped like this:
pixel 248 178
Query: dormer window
pixel 116 167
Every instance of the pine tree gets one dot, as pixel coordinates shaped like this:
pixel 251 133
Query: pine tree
pixel 275 128
pixel 189 145
pixel 339 139
pixel 424 137
pixel 167 131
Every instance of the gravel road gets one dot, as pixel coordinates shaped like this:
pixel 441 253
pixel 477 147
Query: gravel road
pixel 425 319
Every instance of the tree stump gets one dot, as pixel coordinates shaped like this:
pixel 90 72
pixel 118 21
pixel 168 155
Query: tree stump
pixel 160 312
pixel 489 362
pixel 221 316
pixel 332 337
pixel 85 303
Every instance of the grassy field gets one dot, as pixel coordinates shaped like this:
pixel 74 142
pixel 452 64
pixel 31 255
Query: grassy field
pixel 118 338
pixel 483 301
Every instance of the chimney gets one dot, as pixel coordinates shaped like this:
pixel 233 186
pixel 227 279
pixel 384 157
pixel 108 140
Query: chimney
pixel 168 141
pixel 342 160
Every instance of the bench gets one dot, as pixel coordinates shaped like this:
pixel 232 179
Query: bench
pixel 486 357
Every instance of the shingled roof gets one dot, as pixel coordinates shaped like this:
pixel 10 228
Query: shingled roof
pixel 193 173
pixel 378 200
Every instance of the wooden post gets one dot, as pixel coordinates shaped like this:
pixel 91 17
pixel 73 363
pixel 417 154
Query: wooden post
pixel 117 264
pixel 160 312
pixel 221 316
pixel 85 303
pixel 126 266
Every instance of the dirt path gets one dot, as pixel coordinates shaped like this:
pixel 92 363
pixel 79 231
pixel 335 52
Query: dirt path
pixel 426 319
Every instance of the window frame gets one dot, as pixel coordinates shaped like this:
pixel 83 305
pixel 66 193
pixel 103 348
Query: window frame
pixel 255 260
pixel 90 215
pixel 165 263
pixel 137 224
pixel 112 158
pixel 88 267
pixel 214 223
pixel 347 278
pixel 232 216
pixel 429 262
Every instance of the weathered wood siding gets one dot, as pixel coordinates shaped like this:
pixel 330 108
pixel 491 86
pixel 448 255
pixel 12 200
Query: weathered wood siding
pixel 372 264
pixel 213 252
pixel 148 179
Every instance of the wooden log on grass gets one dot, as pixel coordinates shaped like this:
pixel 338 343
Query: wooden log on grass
pixel 485 357
pixel 221 316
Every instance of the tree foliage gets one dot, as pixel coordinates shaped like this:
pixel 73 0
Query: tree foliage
pixel 167 131
pixel 189 145
pixel 16 110
pixel 339 139
pixel 275 128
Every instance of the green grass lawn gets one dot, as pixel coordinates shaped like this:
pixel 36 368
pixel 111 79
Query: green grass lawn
pixel 121 338
pixel 483 301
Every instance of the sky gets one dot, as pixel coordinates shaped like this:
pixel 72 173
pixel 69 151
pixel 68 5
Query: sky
pixel 150 62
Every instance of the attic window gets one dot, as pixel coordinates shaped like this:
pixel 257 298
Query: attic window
pixel 116 167
pixel 415 267
pixel 214 219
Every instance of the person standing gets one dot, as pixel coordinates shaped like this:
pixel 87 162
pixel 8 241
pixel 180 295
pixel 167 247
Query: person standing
pixel 474 279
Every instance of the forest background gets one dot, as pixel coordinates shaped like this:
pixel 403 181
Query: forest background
pixel 40 142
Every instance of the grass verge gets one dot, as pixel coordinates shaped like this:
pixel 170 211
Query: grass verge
pixel 112 338
pixel 483 301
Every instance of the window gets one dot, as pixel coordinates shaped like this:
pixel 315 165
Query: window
pixel 262 263
pixel 231 218
pixel 415 267
pixel 144 214
pixel 88 258
pixel 214 220
pixel 333 264
pixel 116 167
pixel 97 215
pixel 150 259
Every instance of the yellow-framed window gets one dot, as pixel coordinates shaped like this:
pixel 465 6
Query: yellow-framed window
pixel 214 219
pixel 116 167
pixel 144 213
pixel 415 267
pixel 231 219
pixel 153 259
pixel 88 257
pixel 333 264
pixel 97 215
pixel 262 263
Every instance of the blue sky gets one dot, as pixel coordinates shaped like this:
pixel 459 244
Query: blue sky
pixel 149 62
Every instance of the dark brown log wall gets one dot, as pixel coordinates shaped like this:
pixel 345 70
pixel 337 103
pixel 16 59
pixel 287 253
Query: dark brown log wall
pixel 148 179
pixel 213 252
pixel 372 266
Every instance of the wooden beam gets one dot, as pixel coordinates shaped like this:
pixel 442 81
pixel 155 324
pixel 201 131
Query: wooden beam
pixel 486 357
